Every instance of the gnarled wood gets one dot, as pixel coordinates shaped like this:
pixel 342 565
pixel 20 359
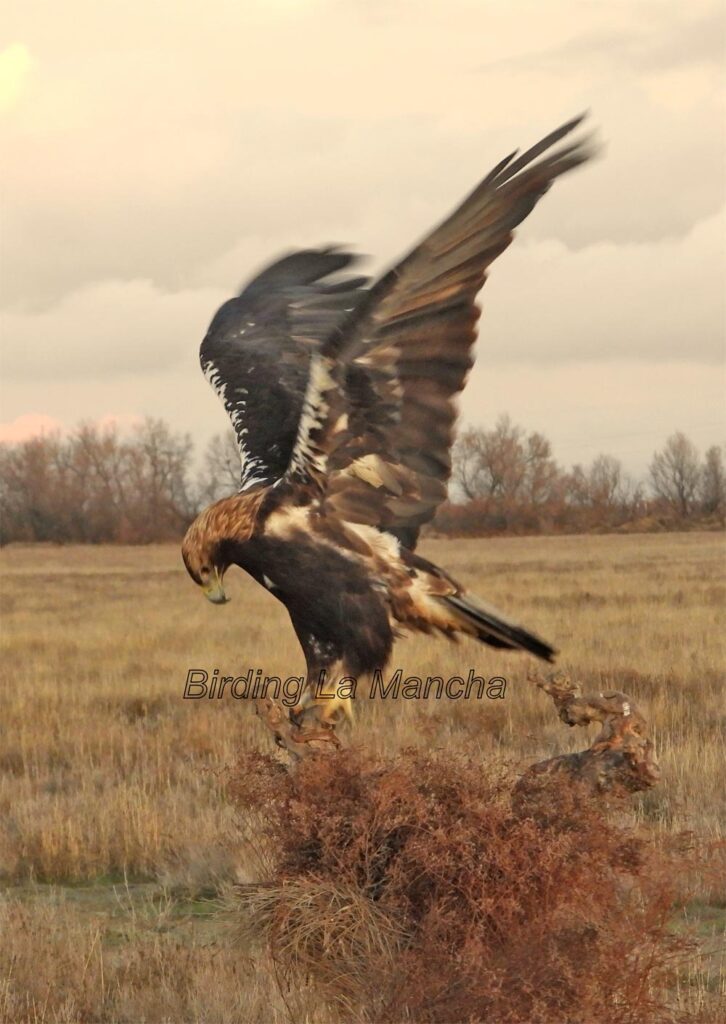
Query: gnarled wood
pixel 300 740
pixel 621 755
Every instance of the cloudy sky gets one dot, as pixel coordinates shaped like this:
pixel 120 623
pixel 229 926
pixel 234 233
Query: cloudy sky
pixel 156 153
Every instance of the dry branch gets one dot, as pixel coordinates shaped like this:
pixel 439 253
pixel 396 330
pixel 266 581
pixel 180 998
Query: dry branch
pixel 621 756
pixel 300 740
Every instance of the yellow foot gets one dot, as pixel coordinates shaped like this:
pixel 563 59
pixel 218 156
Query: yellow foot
pixel 327 711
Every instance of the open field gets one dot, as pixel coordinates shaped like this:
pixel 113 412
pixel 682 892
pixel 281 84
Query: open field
pixel 114 828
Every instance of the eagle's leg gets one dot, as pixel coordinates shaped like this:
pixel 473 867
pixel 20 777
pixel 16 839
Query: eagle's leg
pixel 311 725
pixel 323 702
pixel 289 736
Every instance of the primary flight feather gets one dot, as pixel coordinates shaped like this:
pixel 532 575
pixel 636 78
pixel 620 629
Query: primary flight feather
pixel 342 398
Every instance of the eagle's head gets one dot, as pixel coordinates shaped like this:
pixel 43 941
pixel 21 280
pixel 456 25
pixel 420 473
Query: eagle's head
pixel 210 543
pixel 202 549
pixel 204 565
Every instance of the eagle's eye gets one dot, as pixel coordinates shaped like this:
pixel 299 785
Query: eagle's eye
pixel 205 570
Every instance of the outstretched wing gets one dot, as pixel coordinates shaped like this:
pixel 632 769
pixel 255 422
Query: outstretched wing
pixel 256 353
pixel 403 354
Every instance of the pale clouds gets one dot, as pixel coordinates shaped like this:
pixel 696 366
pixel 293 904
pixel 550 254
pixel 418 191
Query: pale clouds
pixel 155 158
pixel 624 406
pixel 15 66
pixel 641 49
pixel 110 329
pixel 22 428
pixel 149 141
pixel 544 303
pixel 638 300
pixel 31 425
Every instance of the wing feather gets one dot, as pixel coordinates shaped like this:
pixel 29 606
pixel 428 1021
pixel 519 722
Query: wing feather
pixel 256 353
pixel 396 363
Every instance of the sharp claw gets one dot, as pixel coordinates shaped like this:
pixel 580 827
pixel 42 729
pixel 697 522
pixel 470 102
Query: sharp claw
pixel 289 730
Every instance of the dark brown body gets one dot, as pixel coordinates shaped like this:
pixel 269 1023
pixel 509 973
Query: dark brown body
pixel 348 588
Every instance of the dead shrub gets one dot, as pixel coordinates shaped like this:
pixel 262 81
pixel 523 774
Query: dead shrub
pixel 411 889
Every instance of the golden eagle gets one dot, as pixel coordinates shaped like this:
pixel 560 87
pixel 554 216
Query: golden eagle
pixel 341 394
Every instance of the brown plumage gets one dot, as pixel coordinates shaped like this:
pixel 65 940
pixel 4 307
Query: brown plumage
pixel 342 398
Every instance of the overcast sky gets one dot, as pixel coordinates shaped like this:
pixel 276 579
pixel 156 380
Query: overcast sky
pixel 156 153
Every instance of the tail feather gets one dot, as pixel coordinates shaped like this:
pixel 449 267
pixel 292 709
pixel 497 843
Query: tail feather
pixel 488 625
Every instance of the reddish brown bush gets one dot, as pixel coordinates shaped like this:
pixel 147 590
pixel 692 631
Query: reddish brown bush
pixel 412 890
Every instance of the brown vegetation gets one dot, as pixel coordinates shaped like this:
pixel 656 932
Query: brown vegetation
pixel 96 485
pixel 414 889
pixel 106 772
pixel 511 483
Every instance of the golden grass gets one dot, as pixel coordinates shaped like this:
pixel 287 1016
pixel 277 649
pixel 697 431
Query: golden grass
pixel 105 770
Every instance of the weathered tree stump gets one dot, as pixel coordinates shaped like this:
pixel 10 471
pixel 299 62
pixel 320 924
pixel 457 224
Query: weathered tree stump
pixel 621 756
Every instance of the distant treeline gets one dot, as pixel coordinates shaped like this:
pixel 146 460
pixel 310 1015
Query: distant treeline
pixel 506 481
pixel 98 484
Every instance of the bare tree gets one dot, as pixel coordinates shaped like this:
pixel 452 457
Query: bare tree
pixel 96 485
pixel 220 475
pixel 603 494
pixel 34 493
pixel 605 481
pixel 95 462
pixel 542 478
pixel 510 474
pixel 466 472
pixel 490 463
pixel 675 474
pixel 160 500
pixel 578 487
pixel 611 489
pixel 713 482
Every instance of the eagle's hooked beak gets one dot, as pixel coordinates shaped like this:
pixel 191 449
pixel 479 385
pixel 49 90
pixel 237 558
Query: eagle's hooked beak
pixel 214 591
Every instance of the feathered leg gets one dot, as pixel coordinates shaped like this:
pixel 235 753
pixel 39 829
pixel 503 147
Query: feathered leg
pixel 310 726
pixel 321 701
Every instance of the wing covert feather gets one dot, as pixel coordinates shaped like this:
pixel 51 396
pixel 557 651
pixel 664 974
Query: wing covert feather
pixel 396 363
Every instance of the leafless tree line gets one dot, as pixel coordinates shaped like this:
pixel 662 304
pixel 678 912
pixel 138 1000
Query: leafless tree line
pixel 97 485
pixel 508 481
pixel 100 485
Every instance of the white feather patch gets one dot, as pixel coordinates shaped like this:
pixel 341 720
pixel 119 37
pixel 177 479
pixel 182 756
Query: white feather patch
pixel 306 457
pixel 252 469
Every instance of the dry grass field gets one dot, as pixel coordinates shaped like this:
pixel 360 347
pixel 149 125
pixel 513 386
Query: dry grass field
pixel 116 838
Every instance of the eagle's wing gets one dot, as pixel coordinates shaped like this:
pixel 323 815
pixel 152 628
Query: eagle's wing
pixel 256 353
pixel 377 421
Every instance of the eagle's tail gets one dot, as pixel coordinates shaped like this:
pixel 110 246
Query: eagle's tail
pixel 470 615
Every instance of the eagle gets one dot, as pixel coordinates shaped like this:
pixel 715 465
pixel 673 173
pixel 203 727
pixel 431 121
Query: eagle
pixel 342 395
